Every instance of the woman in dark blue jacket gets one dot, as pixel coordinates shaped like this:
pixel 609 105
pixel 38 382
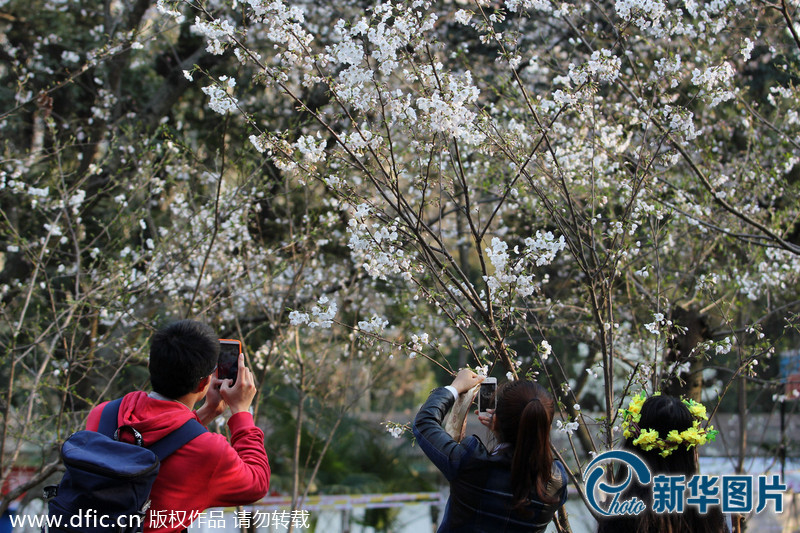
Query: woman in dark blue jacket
pixel 517 486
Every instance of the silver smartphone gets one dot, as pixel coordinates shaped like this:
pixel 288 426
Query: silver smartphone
pixel 487 396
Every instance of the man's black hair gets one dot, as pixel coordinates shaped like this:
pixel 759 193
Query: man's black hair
pixel 182 354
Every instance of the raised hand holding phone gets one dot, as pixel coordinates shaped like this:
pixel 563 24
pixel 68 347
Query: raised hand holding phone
pixel 214 405
pixel 466 384
pixel 239 395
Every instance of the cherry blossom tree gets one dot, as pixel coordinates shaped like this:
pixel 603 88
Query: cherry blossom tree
pixel 599 194
pixel 634 149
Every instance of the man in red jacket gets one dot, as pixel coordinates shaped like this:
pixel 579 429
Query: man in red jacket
pixel 207 471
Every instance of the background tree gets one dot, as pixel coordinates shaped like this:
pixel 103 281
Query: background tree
pixel 601 194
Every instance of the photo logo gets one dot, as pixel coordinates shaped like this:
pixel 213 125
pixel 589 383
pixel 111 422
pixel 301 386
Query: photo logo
pixel 595 473
pixel 732 493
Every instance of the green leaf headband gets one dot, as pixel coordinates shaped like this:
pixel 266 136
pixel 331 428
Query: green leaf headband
pixel 649 439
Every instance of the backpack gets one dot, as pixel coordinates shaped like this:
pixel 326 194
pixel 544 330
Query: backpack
pixel 107 483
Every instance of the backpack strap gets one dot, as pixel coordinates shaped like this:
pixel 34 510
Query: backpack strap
pixel 109 417
pixel 188 431
pixel 164 447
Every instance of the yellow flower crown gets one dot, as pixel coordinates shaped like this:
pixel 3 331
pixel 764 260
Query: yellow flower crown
pixel 649 439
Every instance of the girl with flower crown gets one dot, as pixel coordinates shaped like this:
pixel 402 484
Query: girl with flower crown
pixel 665 432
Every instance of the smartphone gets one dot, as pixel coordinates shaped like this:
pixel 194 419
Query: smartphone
pixel 228 362
pixel 487 399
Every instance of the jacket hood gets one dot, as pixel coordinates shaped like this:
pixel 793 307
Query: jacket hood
pixel 153 418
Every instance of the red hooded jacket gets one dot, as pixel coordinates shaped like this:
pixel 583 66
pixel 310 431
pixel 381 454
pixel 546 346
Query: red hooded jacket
pixel 205 472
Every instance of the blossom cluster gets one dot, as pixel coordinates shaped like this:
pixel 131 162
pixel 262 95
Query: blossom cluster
pixel 540 250
pixel 377 246
pixel 221 100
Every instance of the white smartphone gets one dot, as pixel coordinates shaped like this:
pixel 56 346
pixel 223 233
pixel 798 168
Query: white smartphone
pixel 487 398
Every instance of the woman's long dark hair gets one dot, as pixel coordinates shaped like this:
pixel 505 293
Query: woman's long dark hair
pixel 664 413
pixel 523 416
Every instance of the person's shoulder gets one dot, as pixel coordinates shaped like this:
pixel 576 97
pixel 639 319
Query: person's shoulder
pixel 476 450
pixel 93 420
pixel 98 408
pixel 559 470
pixel 211 439
pixel 205 446
pixel 558 480
pixel 474 442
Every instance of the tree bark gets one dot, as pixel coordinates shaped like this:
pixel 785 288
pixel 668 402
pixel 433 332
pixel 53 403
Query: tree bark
pixel 682 349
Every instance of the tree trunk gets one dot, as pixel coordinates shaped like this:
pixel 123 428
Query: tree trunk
pixel 681 350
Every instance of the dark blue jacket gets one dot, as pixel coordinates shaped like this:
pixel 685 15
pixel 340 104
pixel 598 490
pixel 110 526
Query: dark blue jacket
pixel 480 482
